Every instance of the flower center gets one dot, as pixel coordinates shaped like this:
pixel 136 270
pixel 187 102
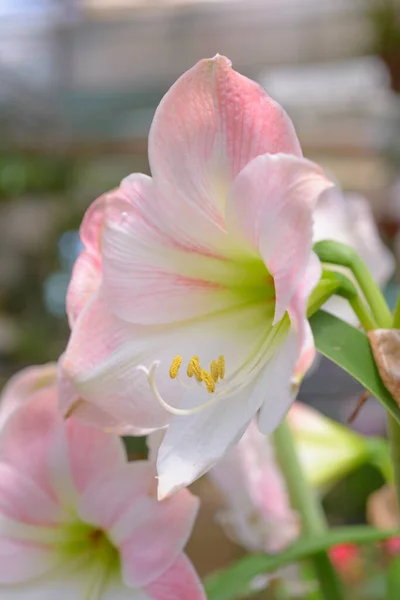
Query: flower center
pixel 210 378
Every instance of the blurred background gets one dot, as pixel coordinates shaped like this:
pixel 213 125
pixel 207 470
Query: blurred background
pixel 79 83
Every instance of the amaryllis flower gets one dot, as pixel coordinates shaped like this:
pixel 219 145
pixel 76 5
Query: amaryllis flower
pixel 257 512
pixel 188 304
pixel 348 218
pixel 76 519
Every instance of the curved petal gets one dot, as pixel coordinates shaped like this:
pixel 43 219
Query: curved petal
pixel 92 224
pixel 23 501
pixel 193 444
pixel 298 316
pixel 21 561
pixel 22 385
pixel 65 583
pixel 103 354
pixel 278 376
pixel 271 205
pixel 150 534
pixel 148 276
pixel 85 280
pixel 208 126
pixel 179 582
pixel 64 457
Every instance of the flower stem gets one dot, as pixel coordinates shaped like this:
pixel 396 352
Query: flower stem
pixel 396 315
pixel 332 252
pixel 305 501
pixel 393 429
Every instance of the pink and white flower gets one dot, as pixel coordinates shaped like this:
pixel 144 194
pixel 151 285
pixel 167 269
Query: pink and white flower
pixel 209 258
pixel 257 512
pixel 76 519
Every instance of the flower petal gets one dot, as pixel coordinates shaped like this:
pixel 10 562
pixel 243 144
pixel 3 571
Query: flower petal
pixel 85 280
pixel 270 205
pixel 298 316
pixel 209 125
pixel 103 354
pixel 193 444
pixel 22 385
pixel 278 379
pixel 149 534
pixel 21 561
pixel 149 277
pixel 63 457
pixel 179 582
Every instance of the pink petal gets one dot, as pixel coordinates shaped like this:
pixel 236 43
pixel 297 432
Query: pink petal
pixel 149 277
pixel 63 457
pixel 85 280
pixel 150 534
pixel 209 125
pixel 179 582
pixel 298 315
pixel 270 206
pixel 92 225
pixel 21 561
pixel 22 385
pixel 99 366
pixel 278 382
pixel 24 502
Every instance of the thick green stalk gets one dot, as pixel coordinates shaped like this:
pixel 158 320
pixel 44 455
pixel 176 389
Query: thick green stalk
pixel 332 252
pixel 394 440
pixel 305 502
pixel 396 315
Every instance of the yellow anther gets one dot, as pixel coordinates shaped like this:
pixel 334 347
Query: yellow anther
pixel 208 380
pixel 194 368
pixel 214 370
pixel 175 366
pixel 221 366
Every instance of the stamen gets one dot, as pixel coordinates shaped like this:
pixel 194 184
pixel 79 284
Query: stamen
pixel 175 366
pixel 208 380
pixel 214 370
pixel 221 366
pixel 150 374
pixel 194 369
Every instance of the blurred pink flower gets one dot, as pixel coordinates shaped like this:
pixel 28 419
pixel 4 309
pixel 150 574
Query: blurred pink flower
pixel 258 514
pixel 76 519
pixel 209 258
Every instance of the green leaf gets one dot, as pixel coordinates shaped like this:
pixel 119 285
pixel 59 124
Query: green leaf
pixel 349 348
pixel 393 580
pixel 235 581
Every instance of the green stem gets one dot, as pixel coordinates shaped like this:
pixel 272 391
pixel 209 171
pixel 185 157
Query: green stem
pixel 304 500
pixel 364 316
pixel 394 441
pixel 339 254
pixel 396 315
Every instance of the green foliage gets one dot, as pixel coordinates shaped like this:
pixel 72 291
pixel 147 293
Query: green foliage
pixel 349 348
pixel 236 581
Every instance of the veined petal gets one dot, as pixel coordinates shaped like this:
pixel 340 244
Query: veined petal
pixel 150 535
pixel 193 444
pixel 179 582
pixel 22 385
pixel 209 125
pixel 149 277
pixel 277 379
pixel 22 561
pixel 92 225
pixel 270 206
pixel 298 316
pixel 63 458
pixel 85 280
pixel 103 355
